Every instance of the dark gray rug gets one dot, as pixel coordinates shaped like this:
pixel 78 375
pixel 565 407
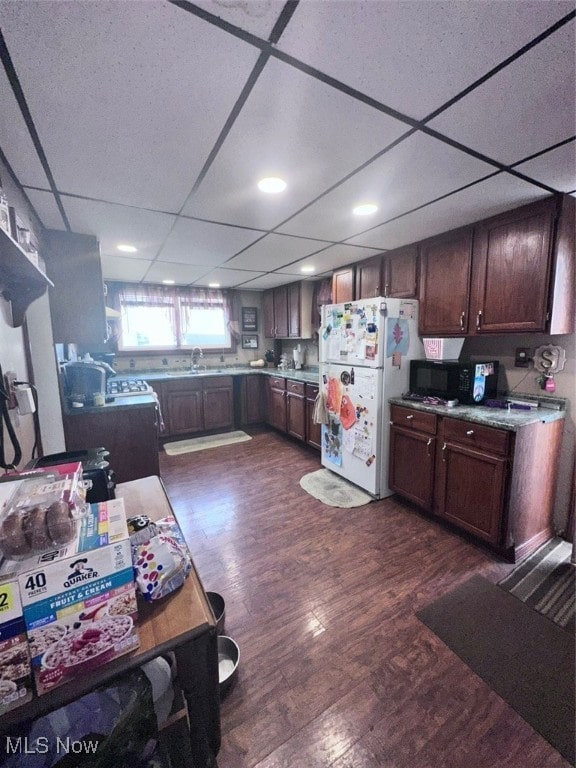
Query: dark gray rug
pixel 546 581
pixel 523 656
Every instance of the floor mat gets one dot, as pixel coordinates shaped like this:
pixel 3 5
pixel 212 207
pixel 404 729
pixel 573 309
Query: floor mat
pixel 208 441
pixel 523 656
pixel 546 581
pixel 333 490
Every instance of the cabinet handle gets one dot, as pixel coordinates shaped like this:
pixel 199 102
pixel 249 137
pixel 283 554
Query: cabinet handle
pixel 470 432
pixel 410 417
pixel 386 290
pixel 444 452
pixel 479 320
pixel 462 316
pixel 428 444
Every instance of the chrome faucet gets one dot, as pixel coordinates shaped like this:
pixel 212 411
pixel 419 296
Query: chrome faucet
pixel 197 355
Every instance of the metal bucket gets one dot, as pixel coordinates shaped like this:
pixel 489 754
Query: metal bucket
pixel 218 609
pixel 228 660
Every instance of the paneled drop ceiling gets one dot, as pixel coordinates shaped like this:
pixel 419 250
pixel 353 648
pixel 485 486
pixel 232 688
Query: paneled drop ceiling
pixel 150 123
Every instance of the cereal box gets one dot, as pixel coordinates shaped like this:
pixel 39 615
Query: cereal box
pixel 80 607
pixel 15 672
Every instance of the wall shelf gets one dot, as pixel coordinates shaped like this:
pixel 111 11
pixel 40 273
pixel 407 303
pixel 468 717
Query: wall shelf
pixel 21 281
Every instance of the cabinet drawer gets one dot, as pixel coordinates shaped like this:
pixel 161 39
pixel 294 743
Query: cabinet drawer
pixel 277 382
pixel 184 384
pixel 477 436
pixel 217 382
pixel 312 391
pixel 410 417
pixel 297 387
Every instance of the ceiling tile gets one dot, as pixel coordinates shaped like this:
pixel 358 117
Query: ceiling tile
pixel 414 172
pixel 182 274
pixel 523 109
pixel 114 224
pixel 275 252
pixel 205 243
pixel 488 198
pixel 414 55
pixel 15 139
pixel 116 90
pixel 333 257
pixel 295 127
pixel 228 278
pixel 255 16
pixel 128 270
pixel 556 168
pixel 46 208
pixel 271 280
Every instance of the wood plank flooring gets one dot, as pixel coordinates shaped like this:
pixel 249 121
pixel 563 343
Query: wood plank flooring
pixel 336 671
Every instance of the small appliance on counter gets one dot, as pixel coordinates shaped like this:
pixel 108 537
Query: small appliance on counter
pixel 95 468
pixel 85 381
pixel 469 383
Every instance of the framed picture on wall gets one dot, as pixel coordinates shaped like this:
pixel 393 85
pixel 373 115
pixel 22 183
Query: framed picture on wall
pixel 249 318
pixel 249 341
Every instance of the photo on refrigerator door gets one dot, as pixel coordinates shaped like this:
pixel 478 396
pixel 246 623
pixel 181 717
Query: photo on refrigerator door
pixel 332 440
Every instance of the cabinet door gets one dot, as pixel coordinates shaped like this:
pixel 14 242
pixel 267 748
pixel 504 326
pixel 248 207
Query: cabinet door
pixel 512 255
pixel 294 309
pixel 218 402
pixel 218 407
pixel 313 430
pixel 343 285
pixel 130 435
pixel 183 412
pixel 369 278
pixel 445 265
pixel 268 314
pixel 296 409
pixel 411 469
pixel 471 490
pixel 252 399
pixel 281 312
pixel 77 307
pixel 400 269
pixel 277 408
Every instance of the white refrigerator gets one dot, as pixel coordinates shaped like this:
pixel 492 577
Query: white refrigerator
pixel 365 349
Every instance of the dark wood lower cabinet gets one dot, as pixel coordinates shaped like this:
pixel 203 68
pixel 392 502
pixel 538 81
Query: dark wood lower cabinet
pixel 191 405
pixel 129 433
pixel 295 409
pixel 313 431
pixel 276 403
pixel 412 465
pixel 495 484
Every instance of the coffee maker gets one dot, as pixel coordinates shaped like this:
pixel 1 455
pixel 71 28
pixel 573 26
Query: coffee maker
pixel 85 382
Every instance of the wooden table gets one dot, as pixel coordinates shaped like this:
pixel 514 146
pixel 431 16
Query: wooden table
pixel 182 623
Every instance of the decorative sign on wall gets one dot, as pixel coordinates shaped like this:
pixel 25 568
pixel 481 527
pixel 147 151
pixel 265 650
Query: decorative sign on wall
pixel 249 341
pixel 549 359
pixel 249 318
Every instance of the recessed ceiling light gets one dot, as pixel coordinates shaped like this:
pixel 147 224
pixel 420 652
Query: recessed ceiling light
pixel 272 185
pixel 168 282
pixel 308 269
pixel 365 209
pixel 126 248
pixel 213 285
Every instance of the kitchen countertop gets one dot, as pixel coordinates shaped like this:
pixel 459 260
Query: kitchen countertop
pixel 138 401
pixel 309 375
pixel 509 419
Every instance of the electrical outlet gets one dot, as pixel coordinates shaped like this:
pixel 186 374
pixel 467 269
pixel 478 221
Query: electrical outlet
pixel 9 379
pixel 522 359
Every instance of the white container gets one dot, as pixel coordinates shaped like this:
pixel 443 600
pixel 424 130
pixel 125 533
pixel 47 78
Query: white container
pixel 442 349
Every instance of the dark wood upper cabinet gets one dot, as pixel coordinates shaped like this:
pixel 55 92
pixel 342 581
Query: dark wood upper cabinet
pixel 293 310
pixel 512 261
pixel 281 311
pixel 445 267
pixel 400 273
pixel 343 285
pixel 77 305
pixel 369 278
pixel 268 314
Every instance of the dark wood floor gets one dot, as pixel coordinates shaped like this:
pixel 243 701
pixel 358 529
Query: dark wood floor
pixel 336 671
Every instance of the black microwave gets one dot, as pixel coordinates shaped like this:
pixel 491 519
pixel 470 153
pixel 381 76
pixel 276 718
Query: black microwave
pixel 470 383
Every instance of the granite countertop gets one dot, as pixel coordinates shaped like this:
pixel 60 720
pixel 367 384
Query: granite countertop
pixel 138 401
pixel 309 375
pixel 509 419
